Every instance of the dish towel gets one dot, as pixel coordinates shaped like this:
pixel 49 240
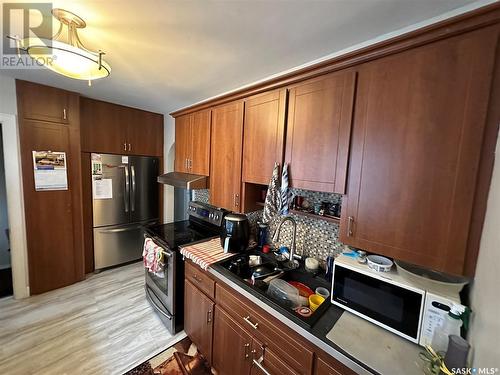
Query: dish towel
pixel 205 253
pixel 284 191
pixel 272 203
pixel 152 256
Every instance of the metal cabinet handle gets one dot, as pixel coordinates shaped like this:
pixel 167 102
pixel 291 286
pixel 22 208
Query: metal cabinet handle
pixel 247 319
pixel 65 117
pixel 186 164
pixel 258 362
pixel 209 316
pixel 190 164
pixel 130 147
pixel 124 147
pixel 246 350
pixel 236 200
pixel 350 221
pixel 195 277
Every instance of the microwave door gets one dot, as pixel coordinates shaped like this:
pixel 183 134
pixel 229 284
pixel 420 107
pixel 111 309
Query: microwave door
pixel 393 307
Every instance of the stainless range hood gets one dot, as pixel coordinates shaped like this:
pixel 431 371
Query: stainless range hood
pixel 183 180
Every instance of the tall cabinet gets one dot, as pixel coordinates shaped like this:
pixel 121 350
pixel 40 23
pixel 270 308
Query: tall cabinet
pixel 49 121
pixel 226 150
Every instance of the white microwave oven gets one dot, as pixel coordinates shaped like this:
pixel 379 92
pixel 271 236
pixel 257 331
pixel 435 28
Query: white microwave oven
pixel 389 300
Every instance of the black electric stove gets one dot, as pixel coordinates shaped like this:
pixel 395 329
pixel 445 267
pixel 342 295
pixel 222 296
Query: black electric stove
pixel 165 288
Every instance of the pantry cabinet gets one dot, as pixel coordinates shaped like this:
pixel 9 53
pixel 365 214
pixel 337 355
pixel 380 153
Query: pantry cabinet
pixel 198 318
pixel 115 129
pixel 192 143
pixel 416 146
pixel 225 165
pixel 318 132
pixel 264 130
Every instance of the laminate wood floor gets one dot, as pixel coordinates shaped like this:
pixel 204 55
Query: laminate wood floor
pixel 103 325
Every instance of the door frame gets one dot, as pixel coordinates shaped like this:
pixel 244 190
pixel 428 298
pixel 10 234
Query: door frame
pixel 15 205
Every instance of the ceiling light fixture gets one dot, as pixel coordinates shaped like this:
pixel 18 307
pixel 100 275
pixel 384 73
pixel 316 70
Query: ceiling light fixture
pixel 69 56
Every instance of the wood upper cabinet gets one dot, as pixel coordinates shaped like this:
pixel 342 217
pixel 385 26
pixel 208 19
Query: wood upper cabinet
pixel 115 129
pixel 232 346
pixel 192 143
pixel 264 129
pixel 225 165
pixel 417 138
pixel 198 318
pixel 318 132
pixel 44 103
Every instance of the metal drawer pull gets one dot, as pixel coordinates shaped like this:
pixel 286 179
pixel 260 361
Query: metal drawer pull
pixel 197 279
pixel 258 363
pixel 350 221
pixel 247 319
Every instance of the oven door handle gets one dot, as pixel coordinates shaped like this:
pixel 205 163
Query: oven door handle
pixel 165 253
pixel 150 299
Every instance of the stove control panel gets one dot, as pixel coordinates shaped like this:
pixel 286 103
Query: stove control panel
pixel 207 212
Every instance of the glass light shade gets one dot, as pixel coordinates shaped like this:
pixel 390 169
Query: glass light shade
pixel 66 59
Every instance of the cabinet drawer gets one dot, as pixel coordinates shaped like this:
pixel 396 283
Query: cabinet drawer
pixel 291 351
pixel 200 279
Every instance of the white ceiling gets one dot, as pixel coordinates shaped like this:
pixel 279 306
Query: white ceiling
pixel 169 54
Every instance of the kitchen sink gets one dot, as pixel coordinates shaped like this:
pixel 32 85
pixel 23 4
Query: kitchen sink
pixel 242 275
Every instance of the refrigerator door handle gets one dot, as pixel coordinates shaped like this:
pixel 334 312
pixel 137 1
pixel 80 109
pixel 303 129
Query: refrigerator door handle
pixel 132 197
pixel 127 189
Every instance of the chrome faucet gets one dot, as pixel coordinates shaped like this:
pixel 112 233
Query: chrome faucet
pixel 292 263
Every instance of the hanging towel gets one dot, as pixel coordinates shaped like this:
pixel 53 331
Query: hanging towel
pixel 284 190
pixel 272 203
pixel 152 256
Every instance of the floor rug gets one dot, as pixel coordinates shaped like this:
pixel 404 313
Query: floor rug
pixel 180 359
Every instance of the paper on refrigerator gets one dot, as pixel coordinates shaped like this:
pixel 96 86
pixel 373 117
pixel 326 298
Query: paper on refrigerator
pixel 102 188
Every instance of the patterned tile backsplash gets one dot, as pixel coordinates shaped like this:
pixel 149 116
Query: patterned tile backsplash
pixel 315 237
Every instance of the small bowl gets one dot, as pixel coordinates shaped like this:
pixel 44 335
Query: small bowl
pixel 314 301
pixel 323 292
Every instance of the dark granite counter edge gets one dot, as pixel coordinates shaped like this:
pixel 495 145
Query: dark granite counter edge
pixel 316 336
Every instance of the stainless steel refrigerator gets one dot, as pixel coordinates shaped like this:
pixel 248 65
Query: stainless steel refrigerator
pixel 125 198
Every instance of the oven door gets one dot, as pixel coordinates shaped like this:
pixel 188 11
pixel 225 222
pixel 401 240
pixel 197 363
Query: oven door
pixel 393 306
pixel 162 282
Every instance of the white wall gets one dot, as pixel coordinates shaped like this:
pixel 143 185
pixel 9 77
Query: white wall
pixel 485 295
pixel 15 204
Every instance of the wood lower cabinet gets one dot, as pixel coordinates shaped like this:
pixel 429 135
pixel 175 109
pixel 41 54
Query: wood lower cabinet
pixel 416 146
pixel 264 130
pixel 198 318
pixel 318 132
pixel 192 143
pixel 265 361
pixel 226 150
pixel 232 349
pixel 325 368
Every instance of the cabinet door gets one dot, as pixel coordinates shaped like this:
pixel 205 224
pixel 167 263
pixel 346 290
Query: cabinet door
pixel 200 146
pixel 144 132
pixel 225 168
pixel 198 319
pixel 51 230
pixel 264 362
pixel 417 137
pixel 263 135
pixel 331 368
pixel 44 103
pixel 101 127
pixel 182 143
pixel 232 346
pixel 318 132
